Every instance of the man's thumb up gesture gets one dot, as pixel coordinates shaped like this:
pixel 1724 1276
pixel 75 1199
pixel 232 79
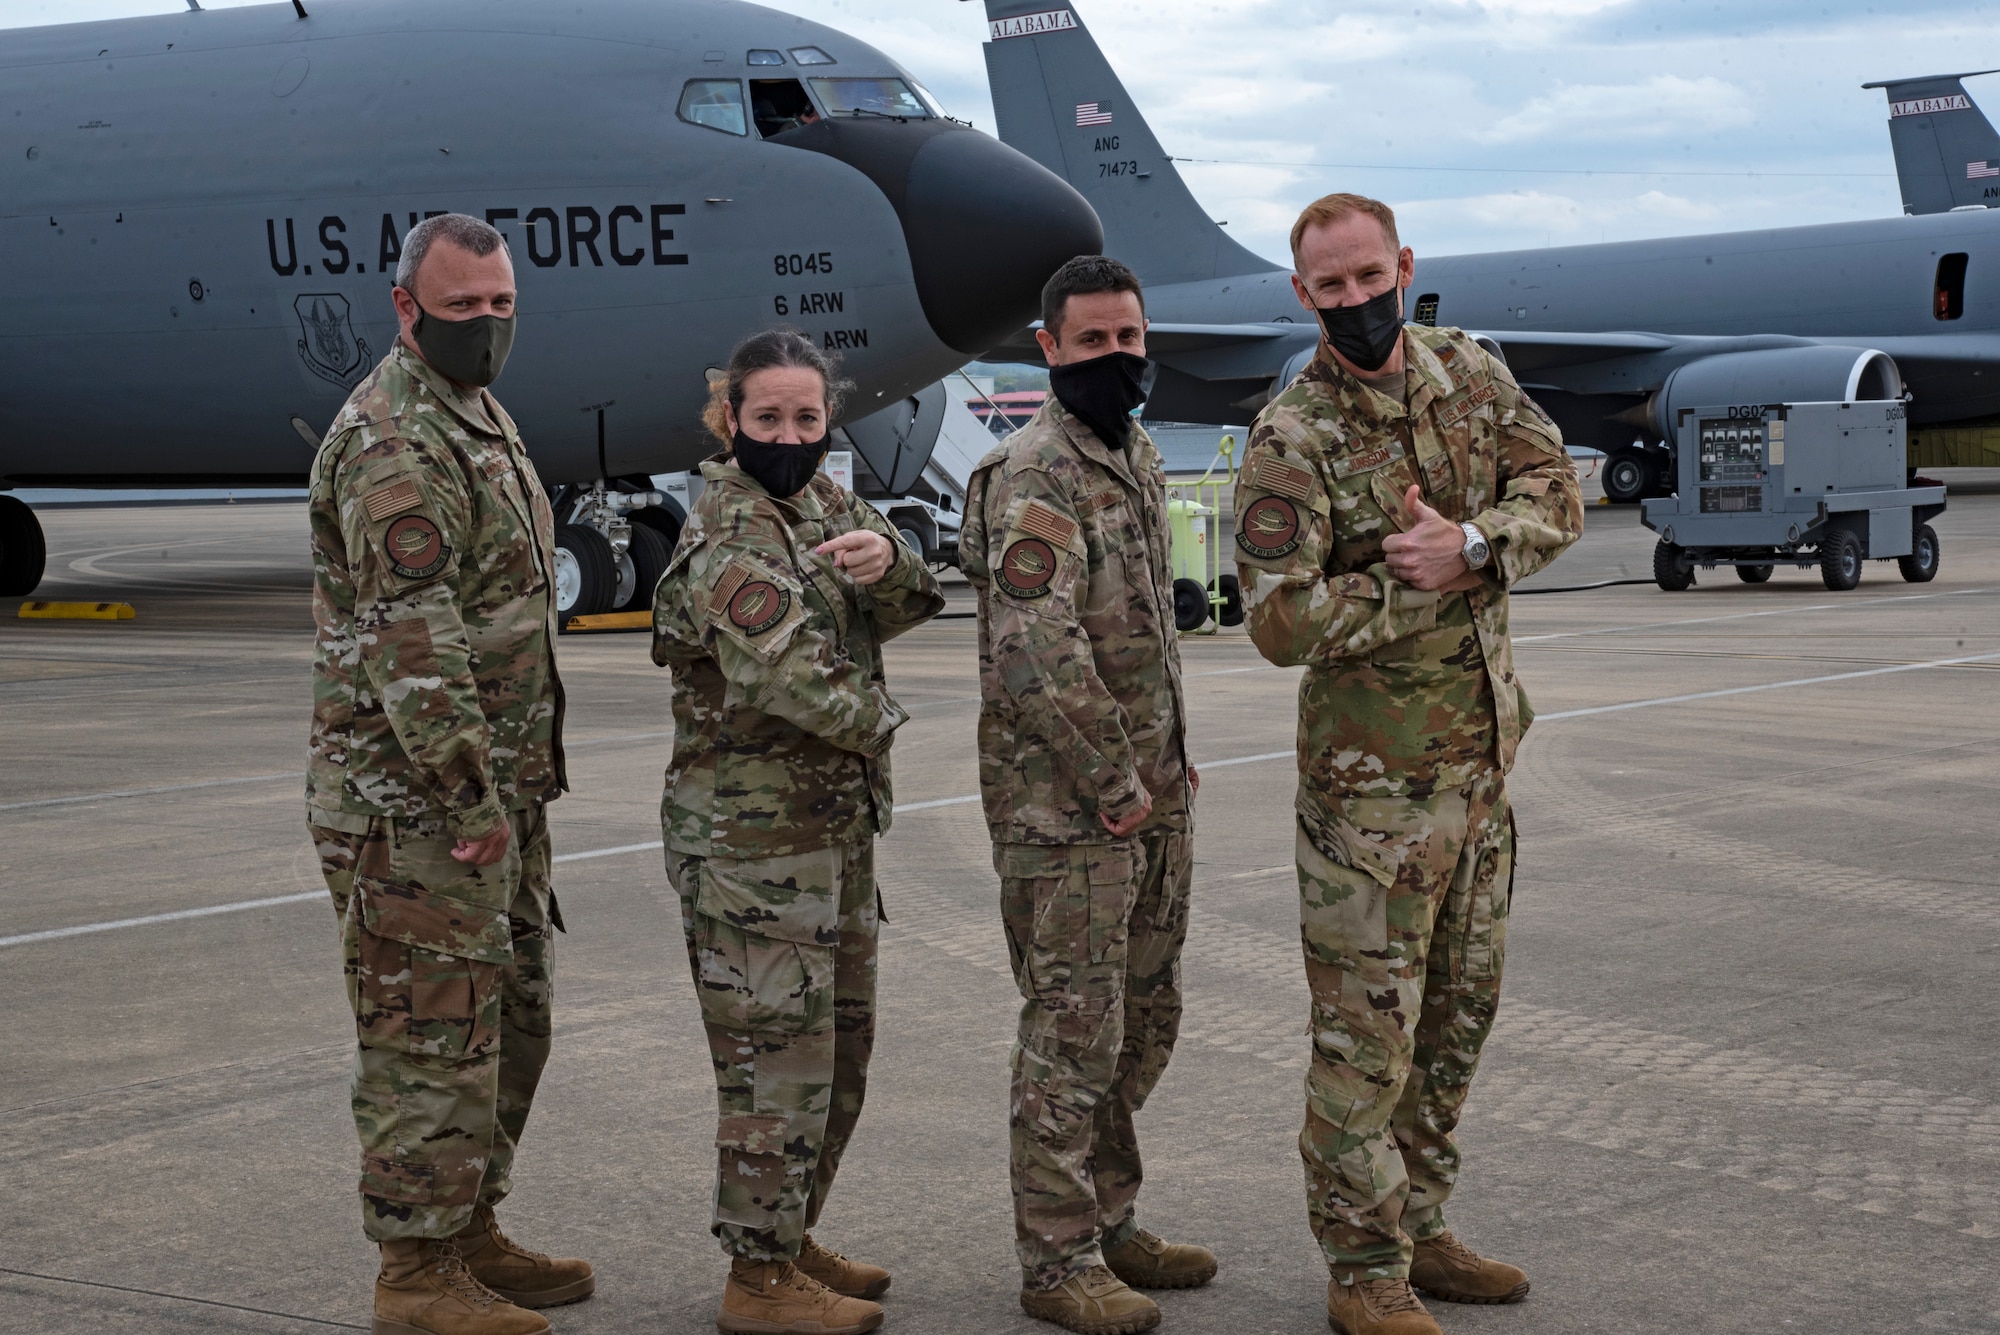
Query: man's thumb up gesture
pixel 1430 554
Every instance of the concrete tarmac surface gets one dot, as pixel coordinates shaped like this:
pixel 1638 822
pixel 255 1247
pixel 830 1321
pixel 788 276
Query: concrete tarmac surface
pixel 1744 1077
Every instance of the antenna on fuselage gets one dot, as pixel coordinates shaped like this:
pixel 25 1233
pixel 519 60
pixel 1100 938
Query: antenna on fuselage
pixel 298 5
pixel 194 6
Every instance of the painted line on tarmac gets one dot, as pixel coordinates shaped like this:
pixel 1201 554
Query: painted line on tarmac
pixel 84 929
pixel 651 845
pixel 1745 616
pixel 149 792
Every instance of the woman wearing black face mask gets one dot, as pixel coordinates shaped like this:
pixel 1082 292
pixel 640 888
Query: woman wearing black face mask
pixel 772 616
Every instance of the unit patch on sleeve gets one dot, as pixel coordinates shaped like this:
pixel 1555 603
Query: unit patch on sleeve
pixel 415 547
pixel 1046 524
pixel 1027 568
pixel 758 605
pixel 1270 528
pixel 1287 479
pixel 390 500
pixel 1368 460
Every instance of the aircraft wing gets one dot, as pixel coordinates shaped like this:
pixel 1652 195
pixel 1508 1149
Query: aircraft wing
pixel 1163 339
pixel 1528 351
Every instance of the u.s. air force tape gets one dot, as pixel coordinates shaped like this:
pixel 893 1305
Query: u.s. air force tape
pixel 1270 528
pixel 758 606
pixel 415 547
pixel 1026 568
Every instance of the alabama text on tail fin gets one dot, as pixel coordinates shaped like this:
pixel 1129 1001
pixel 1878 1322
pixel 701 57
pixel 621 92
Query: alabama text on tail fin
pixel 1947 155
pixel 1057 101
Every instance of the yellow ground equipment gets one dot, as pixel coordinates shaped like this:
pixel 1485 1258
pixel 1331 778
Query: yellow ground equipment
pixel 1203 595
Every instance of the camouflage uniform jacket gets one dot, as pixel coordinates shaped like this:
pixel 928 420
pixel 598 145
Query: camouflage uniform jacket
pixel 1407 692
pixel 1066 542
pixel 434 679
pixel 782 719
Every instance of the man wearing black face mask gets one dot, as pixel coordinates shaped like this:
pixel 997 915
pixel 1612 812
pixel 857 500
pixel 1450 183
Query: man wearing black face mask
pixel 1389 498
pixel 1089 799
pixel 436 743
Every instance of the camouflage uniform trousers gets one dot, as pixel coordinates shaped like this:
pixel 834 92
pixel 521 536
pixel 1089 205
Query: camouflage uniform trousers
pixel 1095 931
pixel 1404 969
pixel 450 975
pixel 791 1026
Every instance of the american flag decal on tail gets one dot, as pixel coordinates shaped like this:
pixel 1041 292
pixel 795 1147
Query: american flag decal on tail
pixel 1975 170
pixel 1093 113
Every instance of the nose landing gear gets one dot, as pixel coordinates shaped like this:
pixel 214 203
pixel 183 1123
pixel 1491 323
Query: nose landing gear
pixel 611 548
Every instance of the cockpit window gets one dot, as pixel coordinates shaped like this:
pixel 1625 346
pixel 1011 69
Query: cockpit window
pixel 764 58
pixel 778 105
pixel 715 103
pixel 870 97
pixel 811 55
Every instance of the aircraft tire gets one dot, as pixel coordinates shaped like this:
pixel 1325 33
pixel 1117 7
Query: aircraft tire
pixel 23 551
pixel 1755 574
pixel 1232 600
pixel 662 521
pixel 644 562
pixel 1921 565
pixel 1626 477
pixel 1840 560
pixel 1671 569
pixel 1190 605
pixel 586 574
pixel 915 542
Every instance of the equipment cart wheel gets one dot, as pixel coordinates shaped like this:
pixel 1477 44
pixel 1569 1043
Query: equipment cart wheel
pixel 1190 604
pixel 586 572
pixel 1672 570
pixel 1755 574
pixel 1626 476
pixel 1840 560
pixel 1232 600
pixel 1921 565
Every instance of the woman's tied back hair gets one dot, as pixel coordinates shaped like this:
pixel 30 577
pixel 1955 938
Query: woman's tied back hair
pixel 767 350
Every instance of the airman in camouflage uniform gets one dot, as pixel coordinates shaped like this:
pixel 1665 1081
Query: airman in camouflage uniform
pixel 1082 726
pixel 778 787
pixel 437 723
pixel 1409 716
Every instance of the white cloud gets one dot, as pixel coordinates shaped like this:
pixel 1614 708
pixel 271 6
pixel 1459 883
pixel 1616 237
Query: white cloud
pixel 1665 104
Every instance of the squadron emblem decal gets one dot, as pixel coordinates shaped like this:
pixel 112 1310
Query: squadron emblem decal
pixel 1027 568
pixel 329 347
pixel 1270 527
pixel 415 547
pixel 758 606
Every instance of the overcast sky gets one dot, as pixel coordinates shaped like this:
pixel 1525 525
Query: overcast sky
pixel 1488 125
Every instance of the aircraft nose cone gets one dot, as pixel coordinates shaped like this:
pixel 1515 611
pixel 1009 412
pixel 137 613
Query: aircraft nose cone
pixel 985 226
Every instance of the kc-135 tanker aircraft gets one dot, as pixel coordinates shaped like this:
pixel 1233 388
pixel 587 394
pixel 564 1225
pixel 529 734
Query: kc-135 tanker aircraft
pixel 1608 337
pixel 203 210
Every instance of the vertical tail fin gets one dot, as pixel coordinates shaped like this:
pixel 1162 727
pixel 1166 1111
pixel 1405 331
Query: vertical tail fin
pixel 1057 101
pixel 1947 155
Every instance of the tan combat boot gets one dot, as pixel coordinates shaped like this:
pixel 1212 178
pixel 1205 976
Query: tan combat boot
pixel 425 1289
pixel 1376 1307
pixel 522 1277
pixel 856 1279
pixel 777 1298
pixel 1093 1303
pixel 1446 1268
pixel 1148 1262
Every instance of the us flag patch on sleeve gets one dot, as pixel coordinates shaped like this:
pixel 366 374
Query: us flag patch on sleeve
pixel 391 500
pixel 1286 479
pixel 1044 523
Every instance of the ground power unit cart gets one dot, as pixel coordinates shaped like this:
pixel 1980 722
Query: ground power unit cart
pixel 1800 484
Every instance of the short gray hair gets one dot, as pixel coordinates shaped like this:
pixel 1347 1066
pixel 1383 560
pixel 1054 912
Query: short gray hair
pixel 462 230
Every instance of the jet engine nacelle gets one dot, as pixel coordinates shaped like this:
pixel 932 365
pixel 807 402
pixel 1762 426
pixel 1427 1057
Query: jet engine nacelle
pixel 1775 375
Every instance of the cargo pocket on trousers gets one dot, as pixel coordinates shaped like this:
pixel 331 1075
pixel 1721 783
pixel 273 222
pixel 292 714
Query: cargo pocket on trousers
pixel 387 1179
pixel 795 898
pixel 1478 936
pixel 765 934
pixel 750 1168
pixel 1113 889
pixel 1350 1073
pixel 429 970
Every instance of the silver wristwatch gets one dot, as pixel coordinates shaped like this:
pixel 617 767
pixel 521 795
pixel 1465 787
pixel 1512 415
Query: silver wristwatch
pixel 1477 550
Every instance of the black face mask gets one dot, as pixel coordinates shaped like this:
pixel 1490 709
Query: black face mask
pixel 1365 334
pixel 782 470
pixel 472 352
pixel 1104 391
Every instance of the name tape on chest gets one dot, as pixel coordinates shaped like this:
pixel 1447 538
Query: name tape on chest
pixel 1040 521
pixel 391 500
pixel 1285 479
pixel 1103 500
pixel 1465 406
pixel 1367 461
